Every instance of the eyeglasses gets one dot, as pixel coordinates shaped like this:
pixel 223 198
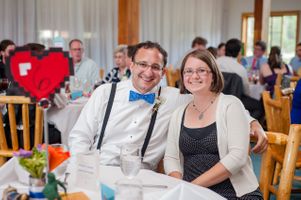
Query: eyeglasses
pixel 77 49
pixel 154 67
pixel 199 72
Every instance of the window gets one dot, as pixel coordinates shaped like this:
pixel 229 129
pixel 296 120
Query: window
pixel 283 32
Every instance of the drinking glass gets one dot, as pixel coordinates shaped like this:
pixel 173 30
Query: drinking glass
pixel 130 160
pixel 128 189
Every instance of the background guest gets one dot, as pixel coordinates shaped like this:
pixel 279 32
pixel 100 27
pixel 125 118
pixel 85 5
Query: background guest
pixel 296 61
pixel 275 65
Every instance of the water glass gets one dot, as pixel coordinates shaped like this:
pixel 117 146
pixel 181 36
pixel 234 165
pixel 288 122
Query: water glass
pixel 129 189
pixel 130 160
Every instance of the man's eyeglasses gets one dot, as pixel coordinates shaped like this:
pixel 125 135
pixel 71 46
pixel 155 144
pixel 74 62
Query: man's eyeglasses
pixel 77 49
pixel 154 67
pixel 199 72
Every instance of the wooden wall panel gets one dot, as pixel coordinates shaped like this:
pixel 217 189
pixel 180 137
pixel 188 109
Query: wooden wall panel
pixel 128 21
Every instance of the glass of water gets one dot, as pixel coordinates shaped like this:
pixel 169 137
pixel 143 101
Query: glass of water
pixel 130 160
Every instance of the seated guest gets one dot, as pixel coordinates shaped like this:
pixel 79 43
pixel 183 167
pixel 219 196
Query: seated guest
pixel 121 71
pixel 6 46
pixel 132 109
pixel 229 63
pixel 296 105
pixel 270 70
pixel 221 50
pixel 85 69
pixel 208 138
pixel 213 51
pixel 296 61
pixel 258 59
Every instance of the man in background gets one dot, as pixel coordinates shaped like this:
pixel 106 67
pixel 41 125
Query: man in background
pixel 85 69
pixel 254 62
pixel 296 61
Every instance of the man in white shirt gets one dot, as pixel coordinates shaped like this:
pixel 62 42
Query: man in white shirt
pixel 134 103
pixel 85 69
pixel 230 64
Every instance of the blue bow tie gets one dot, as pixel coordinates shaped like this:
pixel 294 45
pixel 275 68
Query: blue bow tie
pixel 149 98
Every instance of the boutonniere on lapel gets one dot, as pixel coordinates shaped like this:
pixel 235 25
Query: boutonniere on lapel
pixel 158 102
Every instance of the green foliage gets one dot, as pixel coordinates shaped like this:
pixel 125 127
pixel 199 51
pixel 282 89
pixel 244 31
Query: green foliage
pixel 34 164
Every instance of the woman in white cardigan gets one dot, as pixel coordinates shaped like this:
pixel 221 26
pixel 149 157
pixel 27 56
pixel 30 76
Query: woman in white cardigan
pixel 208 139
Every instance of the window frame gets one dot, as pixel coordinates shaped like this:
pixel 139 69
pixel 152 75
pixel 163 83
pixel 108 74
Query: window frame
pixel 246 15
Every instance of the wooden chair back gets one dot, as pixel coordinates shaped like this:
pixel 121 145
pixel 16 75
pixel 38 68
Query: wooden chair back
pixel 277 112
pixel 286 154
pixel 172 76
pixel 9 102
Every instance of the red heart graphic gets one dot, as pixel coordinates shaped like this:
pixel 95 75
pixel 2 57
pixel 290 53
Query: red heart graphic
pixel 40 76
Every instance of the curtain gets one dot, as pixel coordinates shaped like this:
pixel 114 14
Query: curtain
pixel 92 21
pixel 175 23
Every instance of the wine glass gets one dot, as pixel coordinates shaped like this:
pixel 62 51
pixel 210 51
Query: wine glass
pixel 130 160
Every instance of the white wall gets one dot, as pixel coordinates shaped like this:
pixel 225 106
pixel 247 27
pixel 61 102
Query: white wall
pixel 235 8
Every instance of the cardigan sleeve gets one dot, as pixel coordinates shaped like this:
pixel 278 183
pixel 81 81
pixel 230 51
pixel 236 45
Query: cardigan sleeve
pixel 238 138
pixel 173 156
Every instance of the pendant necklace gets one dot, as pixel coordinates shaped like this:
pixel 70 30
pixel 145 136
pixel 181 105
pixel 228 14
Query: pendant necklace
pixel 202 112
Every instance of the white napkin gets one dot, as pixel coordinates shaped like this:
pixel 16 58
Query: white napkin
pixel 12 171
pixel 191 192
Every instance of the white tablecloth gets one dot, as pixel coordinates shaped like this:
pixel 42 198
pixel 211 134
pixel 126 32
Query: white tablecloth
pixel 65 118
pixel 109 175
pixel 256 90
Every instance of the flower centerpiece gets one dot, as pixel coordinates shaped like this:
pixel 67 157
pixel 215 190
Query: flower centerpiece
pixel 34 162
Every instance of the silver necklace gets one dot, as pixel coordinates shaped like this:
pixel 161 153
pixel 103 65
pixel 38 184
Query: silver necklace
pixel 206 108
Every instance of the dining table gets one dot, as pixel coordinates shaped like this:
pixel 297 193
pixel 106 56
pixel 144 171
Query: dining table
pixel 156 186
pixel 64 116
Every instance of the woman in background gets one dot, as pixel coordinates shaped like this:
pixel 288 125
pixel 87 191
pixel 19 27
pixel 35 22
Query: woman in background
pixel 270 70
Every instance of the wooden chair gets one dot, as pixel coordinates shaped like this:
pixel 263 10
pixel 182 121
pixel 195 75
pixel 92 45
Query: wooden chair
pixel 10 102
pixel 283 149
pixel 172 76
pixel 277 112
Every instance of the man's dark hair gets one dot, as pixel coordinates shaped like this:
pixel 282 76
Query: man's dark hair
pixel 150 45
pixel 200 41
pixel 5 43
pixel 75 40
pixel 299 44
pixel 233 47
pixel 36 47
pixel 130 50
pixel 262 45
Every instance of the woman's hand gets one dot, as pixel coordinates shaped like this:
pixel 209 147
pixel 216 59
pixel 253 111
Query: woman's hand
pixel 175 174
pixel 262 140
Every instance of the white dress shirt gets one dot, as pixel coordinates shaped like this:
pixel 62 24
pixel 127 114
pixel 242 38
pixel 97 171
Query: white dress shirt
pixel 87 70
pixel 128 123
pixel 230 64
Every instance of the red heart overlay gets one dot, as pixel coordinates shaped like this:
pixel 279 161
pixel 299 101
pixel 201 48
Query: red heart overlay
pixel 47 75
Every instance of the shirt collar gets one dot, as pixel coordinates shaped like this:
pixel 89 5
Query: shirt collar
pixel 153 90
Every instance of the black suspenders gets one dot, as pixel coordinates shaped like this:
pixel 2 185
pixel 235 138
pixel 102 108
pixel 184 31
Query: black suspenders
pixel 107 115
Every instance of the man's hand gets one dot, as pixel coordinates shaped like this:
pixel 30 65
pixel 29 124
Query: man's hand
pixel 262 140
